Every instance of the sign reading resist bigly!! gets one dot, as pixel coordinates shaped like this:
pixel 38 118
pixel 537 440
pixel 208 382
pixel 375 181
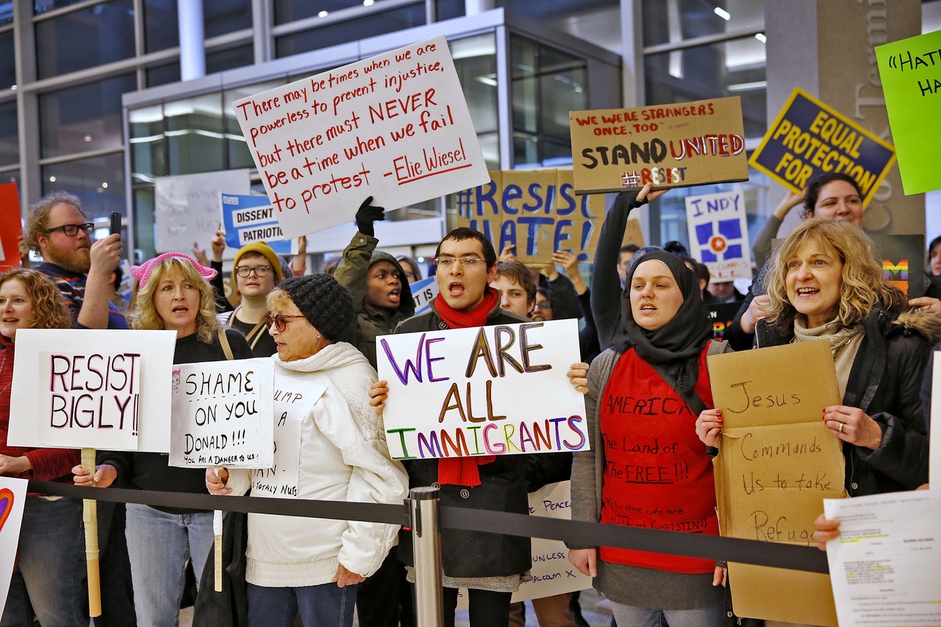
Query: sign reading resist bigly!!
pixel 497 390
pixel 676 145
pixel 395 127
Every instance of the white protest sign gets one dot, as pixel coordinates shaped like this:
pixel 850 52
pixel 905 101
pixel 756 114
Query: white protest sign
pixel 186 207
pixel 222 414
pixel 109 389
pixel 552 572
pixel 12 501
pixel 294 396
pixel 934 444
pixel 718 234
pixel 497 390
pixel 423 292
pixel 395 127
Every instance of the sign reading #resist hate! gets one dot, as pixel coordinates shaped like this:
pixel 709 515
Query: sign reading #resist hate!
pixel 395 127
pixel 665 145
pixel 809 138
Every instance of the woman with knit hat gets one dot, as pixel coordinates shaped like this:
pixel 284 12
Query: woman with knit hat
pixel 257 270
pixel 172 293
pixel 330 446
pixel 647 392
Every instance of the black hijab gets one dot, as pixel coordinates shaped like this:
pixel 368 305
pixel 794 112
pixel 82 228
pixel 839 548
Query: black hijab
pixel 676 345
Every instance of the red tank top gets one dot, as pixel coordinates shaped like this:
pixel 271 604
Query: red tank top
pixel 657 474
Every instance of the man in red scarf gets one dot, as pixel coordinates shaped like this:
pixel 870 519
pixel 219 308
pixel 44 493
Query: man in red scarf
pixel 490 565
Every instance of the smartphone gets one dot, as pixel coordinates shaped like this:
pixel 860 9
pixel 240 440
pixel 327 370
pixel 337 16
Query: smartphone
pixel 115 222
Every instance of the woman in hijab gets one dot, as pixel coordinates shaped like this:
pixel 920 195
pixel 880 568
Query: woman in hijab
pixel 647 468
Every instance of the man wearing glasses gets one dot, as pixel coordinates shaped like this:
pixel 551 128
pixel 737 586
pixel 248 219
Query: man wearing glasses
pixel 58 229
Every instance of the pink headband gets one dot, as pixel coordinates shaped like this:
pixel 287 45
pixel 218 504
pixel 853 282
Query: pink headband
pixel 142 272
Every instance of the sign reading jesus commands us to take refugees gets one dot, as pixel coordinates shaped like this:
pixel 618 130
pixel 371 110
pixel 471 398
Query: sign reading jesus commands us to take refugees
pixel 395 127
pixel 676 145
pixel 497 390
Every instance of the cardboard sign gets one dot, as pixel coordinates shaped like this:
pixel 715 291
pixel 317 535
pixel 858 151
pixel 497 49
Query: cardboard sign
pixel 108 389
pixel 12 502
pixel 498 390
pixel 395 127
pixel 294 396
pixel 186 207
pixel 676 145
pixel 809 138
pixel 536 211
pixel 11 227
pixel 250 219
pixel 910 70
pixel 222 414
pixel 721 316
pixel 777 462
pixel 718 234
pixel 423 292
pixel 552 572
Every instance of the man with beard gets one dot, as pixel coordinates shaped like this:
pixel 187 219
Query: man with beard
pixel 57 227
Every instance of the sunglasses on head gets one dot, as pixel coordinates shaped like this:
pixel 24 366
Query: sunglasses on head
pixel 280 321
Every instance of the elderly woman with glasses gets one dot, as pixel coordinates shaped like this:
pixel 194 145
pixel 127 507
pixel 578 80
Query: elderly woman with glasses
pixel 173 294
pixel 330 445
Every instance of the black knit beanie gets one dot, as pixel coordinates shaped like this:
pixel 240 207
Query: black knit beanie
pixel 325 303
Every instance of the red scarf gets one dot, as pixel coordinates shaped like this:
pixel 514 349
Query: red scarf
pixel 463 470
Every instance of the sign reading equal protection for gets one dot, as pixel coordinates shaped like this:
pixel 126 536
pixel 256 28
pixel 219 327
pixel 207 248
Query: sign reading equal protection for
pixel 676 145
pixel 809 138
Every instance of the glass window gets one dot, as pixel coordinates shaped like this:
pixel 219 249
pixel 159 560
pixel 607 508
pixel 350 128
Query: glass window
pixel 290 10
pixel 475 59
pixel 85 38
pixel 447 9
pixel 228 59
pixel 7 60
pixel 6 13
pixel 195 140
pixel 236 147
pixel 144 224
pixel 163 74
pixel 731 68
pixel 161 28
pixel 672 21
pixel 352 30
pixel 9 137
pixel 10 176
pixel 98 181
pixel 41 6
pixel 147 143
pixel 87 117
pixel 226 16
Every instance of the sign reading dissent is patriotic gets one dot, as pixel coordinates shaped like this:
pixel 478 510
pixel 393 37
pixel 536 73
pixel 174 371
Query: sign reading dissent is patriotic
pixel 718 234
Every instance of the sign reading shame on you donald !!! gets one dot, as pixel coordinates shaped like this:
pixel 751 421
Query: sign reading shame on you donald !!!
pixel 497 390
pixel 395 127
pixel 676 145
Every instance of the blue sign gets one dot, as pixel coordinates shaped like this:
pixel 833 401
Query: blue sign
pixel 250 219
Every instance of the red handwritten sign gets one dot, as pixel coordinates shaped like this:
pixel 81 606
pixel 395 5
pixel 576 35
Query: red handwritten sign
pixel 395 126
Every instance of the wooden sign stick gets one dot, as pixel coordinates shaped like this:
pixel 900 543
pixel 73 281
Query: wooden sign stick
pixel 90 517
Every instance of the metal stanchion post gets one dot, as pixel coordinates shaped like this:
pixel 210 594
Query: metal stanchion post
pixel 426 540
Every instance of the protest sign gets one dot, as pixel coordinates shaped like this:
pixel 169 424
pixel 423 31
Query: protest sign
pixel 718 234
pixel 498 390
pixel 777 462
pixel 11 227
pixel 910 71
pixel 721 316
pixel 222 414
pixel 294 397
pixel 423 292
pixel 809 138
pixel 87 388
pixel 536 211
pixel 394 127
pixel 552 573
pixel 934 455
pixel 250 219
pixel 186 207
pixel 676 145
pixel 12 501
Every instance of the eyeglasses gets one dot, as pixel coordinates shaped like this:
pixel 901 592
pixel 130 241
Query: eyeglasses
pixel 245 271
pixel 467 260
pixel 71 230
pixel 543 304
pixel 280 321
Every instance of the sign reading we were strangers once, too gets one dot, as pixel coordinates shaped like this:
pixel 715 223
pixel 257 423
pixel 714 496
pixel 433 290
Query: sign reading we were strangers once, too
pixel 395 127
pixel 497 390
pixel 675 145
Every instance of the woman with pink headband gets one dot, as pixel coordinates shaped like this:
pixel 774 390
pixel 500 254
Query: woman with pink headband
pixel 172 293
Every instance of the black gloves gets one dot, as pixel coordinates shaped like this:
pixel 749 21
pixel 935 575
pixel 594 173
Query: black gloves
pixel 366 215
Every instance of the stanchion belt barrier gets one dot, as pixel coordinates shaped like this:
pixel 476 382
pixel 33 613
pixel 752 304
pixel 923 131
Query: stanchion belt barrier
pixel 570 531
